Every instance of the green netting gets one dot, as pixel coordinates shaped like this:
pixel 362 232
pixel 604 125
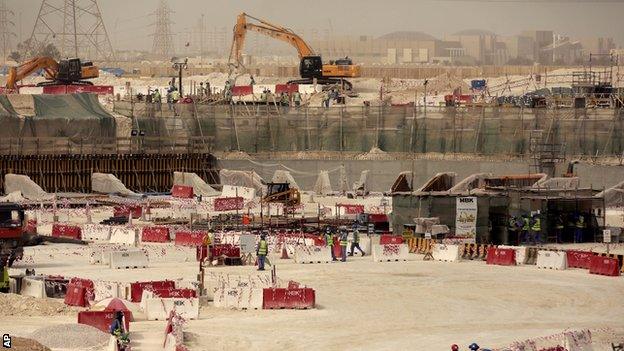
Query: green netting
pixel 483 131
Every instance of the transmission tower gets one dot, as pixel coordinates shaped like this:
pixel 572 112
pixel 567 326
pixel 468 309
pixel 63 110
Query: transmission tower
pixel 6 29
pixel 75 27
pixel 163 37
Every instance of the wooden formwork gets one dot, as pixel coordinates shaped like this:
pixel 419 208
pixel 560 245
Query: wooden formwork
pixel 141 173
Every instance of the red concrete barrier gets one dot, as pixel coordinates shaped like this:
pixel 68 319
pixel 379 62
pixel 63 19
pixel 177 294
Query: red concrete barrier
pixel 155 234
pixel 501 257
pixel 286 88
pixel 300 298
pixel 242 90
pixel 66 231
pixel 226 250
pixel 101 319
pixel 228 203
pixel 387 239
pixel 604 266
pixel 579 259
pixel 181 293
pixel 75 295
pixel 186 238
pixel 182 191
pixel 119 211
pixel 136 289
pixel 31 226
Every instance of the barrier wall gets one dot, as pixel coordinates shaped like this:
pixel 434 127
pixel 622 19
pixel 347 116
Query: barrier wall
pixel 76 295
pixel 155 234
pixel 552 260
pixel 101 319
pixel 66 231
pixel 384 253
pixel 604 266
pixel 33 287
pixel 160 308
pixel 312 254
pixel 177 293
pixel 579 259
pixel 295 298
pixel 521 253
pixel 238 298
pixel 96 232
pixel 446 253
pixel 136 289
pixel 182 191
pixel 123 236
pixel 230 191
pixel 501 257
pixel 186 238
pixel 104 290
pixel 386 239
pixel 128 259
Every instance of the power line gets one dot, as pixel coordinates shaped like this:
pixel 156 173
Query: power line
pixel 163 37
pixel 75 27
pixel 6 28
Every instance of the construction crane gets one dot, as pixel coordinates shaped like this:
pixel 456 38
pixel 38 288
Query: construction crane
pixel 67 72
pixel 311 65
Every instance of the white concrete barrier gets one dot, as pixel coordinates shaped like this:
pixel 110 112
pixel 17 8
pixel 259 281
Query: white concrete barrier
pixel 240 191
pixel 128 259
pixel 96 232
pixel 44 228
pixel 552 260
pixel 385 253
pixel 521 253
pixel 159 308
pixel 104 290
pixel 124 236
pixel 238 298
pixel 33 287
pixel 446 253
pixel 170 253
pixel 312 254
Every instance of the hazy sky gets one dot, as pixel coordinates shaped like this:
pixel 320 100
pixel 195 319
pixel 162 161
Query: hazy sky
pixel 128 20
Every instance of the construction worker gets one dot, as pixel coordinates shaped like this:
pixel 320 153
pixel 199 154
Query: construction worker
pixel 536 228
pixel 202 92
pixel 297 98
pixel 285 100
pixel 559 228
pixel 175 98
pixel 157 99
pixel 343 243
pixel 512 229
pixel 263 97
pixel 252 81
pixel 580 226
pixel 329 241
pixel 261 251
pixel 118 330
pixel 525 228
pixel 326 100
pixel 355 244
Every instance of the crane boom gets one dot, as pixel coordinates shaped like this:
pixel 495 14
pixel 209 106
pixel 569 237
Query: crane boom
pixel 269 29
pixel 48 64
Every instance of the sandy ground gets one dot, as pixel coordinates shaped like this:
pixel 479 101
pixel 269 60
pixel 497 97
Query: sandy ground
pixel 371 306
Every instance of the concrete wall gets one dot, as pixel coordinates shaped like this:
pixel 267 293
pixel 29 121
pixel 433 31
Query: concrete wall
pixel 383 173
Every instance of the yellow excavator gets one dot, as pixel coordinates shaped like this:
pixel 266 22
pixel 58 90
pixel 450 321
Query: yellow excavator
pixel 68 72
pixel 311 66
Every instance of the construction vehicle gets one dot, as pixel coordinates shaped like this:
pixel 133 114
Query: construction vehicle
pixel 64 72
pixel 311 66
pixel 282 193
pixel 11 233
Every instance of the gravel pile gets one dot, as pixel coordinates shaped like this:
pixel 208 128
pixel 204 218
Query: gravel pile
pixel 71 336
pixel 23 344
pixel 18 305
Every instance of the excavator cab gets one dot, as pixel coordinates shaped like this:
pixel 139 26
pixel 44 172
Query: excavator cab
pixel 282 193
pixel 311 67
pixel 69 71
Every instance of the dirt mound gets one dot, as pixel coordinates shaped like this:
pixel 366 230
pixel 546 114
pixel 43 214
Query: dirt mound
pixel 18 305
pixel 23 344
pixel 71 336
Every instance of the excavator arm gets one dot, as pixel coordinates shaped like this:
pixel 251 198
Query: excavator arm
pixel 48 64
pixel 266 28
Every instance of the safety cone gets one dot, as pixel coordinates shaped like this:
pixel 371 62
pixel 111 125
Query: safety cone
pixel 284 253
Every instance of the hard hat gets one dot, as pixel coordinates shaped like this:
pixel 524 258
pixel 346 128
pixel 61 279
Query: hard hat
pixel 454 347
pixel 473 346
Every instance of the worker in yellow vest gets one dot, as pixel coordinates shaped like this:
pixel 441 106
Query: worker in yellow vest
pixel 329 241
pixel 343 243
pixel 408 234
pixel 580 226
pixel 536 229
pixel 261 251
pixel 525 228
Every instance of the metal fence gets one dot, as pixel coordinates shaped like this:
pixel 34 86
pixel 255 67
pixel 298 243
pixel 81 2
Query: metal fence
pixel 474 130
